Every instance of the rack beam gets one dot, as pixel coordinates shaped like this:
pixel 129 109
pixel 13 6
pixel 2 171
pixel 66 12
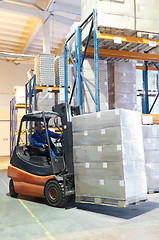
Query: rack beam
pixel 150 93
pixel 149 68
pixel 21 106
pixel 50 89
pixel 123 54
pixel 129 39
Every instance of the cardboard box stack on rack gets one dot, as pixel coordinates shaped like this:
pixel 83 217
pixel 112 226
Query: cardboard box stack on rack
pixel 45 76
pixel 151 149
pixel 124 14
pixel 109 158
pixel 89 74
pixel 122 85
pixel 59 71
pixel 45 69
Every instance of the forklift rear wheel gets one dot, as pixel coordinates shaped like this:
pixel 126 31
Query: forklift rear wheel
pixel 11 189
pixel 54 194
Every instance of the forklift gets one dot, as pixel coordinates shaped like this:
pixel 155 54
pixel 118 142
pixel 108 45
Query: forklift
pixel 34 171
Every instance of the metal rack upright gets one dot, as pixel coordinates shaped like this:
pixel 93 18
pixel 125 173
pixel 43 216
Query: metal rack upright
pixel 78 63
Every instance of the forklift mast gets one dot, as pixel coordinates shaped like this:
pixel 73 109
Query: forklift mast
pixel 64 111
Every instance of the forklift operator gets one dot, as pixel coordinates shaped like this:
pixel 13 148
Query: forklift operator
pixel 39 138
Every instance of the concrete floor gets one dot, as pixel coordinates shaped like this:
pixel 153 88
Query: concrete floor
pixel 29 218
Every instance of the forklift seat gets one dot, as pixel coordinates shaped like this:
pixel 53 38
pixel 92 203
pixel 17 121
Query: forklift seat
pixel 37 151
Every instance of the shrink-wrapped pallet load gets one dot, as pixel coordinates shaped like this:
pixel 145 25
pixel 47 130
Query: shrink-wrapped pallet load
pixel 59 71
pixel 151 149
pixel 45 76
pixel 136 15
pixel 122 85
pixel 45 69
pixel 109 158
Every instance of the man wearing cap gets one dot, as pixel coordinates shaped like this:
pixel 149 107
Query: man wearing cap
pixel 39 138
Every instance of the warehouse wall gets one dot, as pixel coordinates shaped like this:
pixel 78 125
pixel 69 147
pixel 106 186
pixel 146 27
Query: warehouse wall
pixel 10 75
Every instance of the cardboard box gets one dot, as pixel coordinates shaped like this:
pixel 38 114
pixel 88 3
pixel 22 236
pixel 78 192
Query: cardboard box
pixel 122 85
pixel 151 151
pixel 109 158
pixel 121 14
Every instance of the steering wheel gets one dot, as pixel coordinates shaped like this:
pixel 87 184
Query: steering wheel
pixel 59 140
pixel 59 150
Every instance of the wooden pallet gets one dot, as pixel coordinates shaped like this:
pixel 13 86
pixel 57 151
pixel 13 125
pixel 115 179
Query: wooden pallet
pixel 152 191
pixel 120 203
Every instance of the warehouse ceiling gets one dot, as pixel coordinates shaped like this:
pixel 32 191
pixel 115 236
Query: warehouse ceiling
pixel 21 24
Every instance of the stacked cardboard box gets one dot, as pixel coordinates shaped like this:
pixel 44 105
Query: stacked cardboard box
pixel 59 71
pixel 89 74
pixel 46 100
pixel 151 148
pixel 45 69
pixel 122 85
pixel 19 94
pixel 109 158
pixel 121 14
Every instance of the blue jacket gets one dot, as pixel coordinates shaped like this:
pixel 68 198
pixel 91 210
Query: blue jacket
pixel 39 139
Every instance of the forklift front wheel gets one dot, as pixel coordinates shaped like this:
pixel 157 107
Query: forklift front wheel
pixel 11 189
pixel 54 194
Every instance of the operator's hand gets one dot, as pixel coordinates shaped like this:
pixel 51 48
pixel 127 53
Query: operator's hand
pixel 45 145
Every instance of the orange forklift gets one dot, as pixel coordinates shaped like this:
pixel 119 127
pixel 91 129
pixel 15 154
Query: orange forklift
pixel 34 171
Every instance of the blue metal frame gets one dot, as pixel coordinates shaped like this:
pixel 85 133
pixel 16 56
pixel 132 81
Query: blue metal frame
pixel 145 100
pixel 30 92
pixel 35 99
pixel 78 54
pixel 145 104
pixel 66 73
pixel 158 90
pixel 96 62
pixel 78 64
pixel 26 110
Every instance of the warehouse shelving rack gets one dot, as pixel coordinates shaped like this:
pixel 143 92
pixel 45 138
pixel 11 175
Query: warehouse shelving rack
pixel 102 44
pixel 78 63
pixel 31 90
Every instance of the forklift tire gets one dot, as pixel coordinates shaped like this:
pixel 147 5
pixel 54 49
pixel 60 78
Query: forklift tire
pixel 54 194
pixel 11 189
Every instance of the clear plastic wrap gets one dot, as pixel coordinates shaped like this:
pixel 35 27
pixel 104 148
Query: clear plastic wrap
pixel 151 151
pixel 109 158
